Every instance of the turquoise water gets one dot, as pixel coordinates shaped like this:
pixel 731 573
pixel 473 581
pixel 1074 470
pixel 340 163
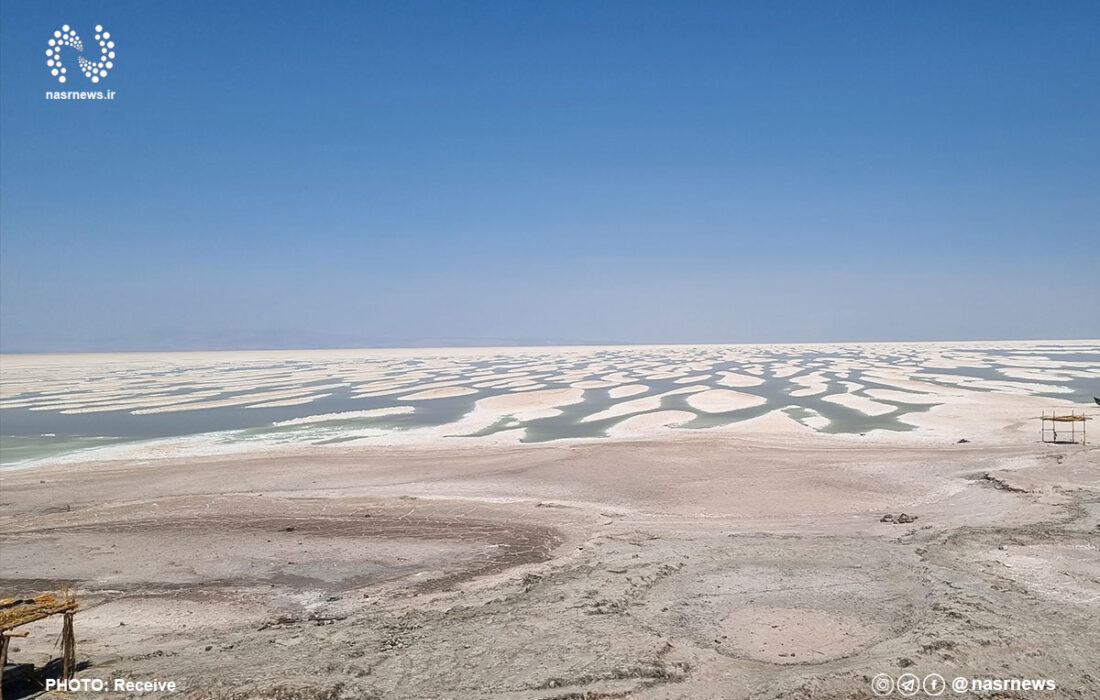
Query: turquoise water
pixel 29 434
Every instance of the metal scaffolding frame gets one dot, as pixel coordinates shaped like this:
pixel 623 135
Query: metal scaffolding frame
pixel 1065 422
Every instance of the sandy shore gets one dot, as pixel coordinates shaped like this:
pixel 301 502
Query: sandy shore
pixel 700 565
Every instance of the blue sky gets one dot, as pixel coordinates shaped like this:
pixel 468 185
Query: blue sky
pixel 276 174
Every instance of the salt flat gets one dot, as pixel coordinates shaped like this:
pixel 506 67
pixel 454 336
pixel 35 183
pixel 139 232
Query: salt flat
pixel 632 523
pixel 869 388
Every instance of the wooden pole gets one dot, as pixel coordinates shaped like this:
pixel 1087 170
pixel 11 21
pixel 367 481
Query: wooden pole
pixel 68 648
pixel 4 640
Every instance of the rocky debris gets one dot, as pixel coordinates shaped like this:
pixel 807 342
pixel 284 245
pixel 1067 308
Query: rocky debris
pixel 280 621
pixel 999 483
pixel 900 520
pixel 938 645
pixel 320 619
pixel 962 441
pixel 530 581
pixel 656 670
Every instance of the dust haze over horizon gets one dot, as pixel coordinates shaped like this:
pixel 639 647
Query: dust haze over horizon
pixel 529 173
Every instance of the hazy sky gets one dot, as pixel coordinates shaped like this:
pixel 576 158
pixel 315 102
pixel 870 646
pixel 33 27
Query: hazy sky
pixel 334 173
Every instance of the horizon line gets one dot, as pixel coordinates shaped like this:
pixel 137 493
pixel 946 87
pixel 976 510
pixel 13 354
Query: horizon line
pixel 523 346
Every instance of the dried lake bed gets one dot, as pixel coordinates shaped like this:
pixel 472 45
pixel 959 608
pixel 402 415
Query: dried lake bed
pixel 551 523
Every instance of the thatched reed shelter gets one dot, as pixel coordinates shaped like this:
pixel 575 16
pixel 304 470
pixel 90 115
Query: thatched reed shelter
pixel 16 612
